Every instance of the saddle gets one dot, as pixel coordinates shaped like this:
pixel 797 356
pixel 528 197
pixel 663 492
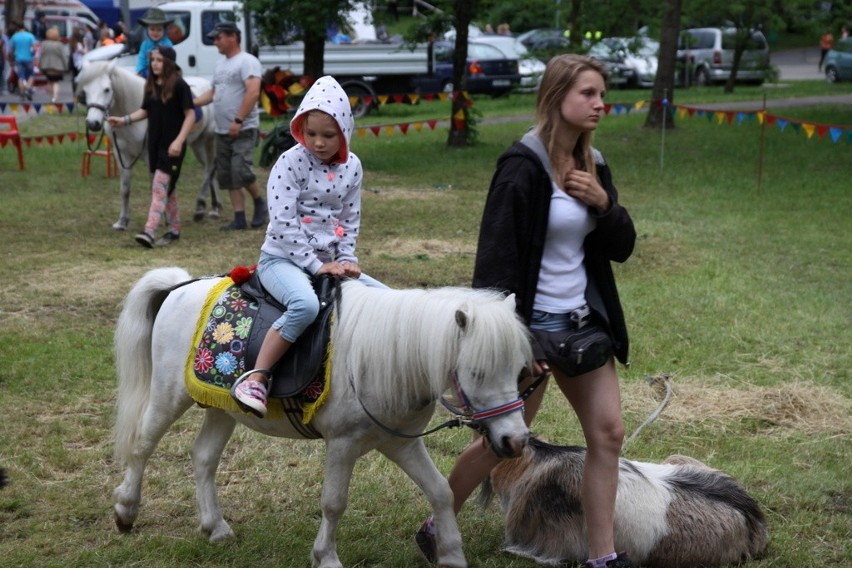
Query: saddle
pixel 303 362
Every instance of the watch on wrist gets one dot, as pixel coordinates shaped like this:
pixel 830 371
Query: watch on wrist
pixel 238 120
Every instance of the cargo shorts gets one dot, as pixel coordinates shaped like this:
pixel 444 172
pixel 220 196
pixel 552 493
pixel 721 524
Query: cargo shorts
pixel 234 159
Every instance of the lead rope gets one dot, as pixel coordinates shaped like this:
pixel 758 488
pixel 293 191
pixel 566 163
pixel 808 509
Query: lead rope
pixel 666 381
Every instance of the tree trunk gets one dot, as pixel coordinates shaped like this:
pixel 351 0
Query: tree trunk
pixel 314 55
pixel 460 128
pixel 15 10
pixel 663 92
pixel 735 64
pixel 575 40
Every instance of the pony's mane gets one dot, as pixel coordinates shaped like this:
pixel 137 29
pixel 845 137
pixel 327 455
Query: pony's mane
pixel 397 340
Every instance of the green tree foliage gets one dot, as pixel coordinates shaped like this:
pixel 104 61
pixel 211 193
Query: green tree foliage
pixel 307 20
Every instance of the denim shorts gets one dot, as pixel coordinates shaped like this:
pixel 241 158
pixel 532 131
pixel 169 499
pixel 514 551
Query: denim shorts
pixel 546 321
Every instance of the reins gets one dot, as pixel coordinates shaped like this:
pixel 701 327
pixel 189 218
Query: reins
pixel 105 110
pixel 466 415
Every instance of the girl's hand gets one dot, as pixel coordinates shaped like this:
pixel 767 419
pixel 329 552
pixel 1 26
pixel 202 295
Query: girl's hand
pixel 174 149
pixel 116 121
pixel 351 269
pixel 332 268
pixel 585 187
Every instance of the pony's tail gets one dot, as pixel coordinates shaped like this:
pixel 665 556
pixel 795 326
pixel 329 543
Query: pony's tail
pixel 133 353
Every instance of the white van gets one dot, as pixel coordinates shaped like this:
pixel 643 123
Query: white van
pixel 708 55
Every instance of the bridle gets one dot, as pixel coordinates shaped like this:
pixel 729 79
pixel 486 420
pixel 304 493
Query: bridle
pixel 464 415
pixel 105 110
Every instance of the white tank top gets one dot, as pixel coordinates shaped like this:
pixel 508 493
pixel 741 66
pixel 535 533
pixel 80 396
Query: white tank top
pixel 562 276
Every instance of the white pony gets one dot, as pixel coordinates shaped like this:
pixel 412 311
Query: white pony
pixel 109 89
pixel 394 353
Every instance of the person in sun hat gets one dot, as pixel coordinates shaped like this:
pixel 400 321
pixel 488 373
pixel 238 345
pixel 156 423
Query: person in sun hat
pixel 167 104
pixel 155 22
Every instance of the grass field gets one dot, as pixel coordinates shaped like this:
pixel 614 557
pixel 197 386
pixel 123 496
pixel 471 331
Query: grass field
pixel 743 297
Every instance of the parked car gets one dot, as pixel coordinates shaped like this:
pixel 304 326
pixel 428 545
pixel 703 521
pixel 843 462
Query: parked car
pixel 488 70
pixel 838 61
pixel 707 56
pixel 544 39
pixel 530 68
pixel 638 54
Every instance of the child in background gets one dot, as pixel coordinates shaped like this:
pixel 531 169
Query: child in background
pixel 314 197
pixel 155 22
pixel 167 104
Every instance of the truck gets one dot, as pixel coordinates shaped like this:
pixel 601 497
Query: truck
pixel 365 68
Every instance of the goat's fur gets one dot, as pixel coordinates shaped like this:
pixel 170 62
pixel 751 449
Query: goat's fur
pixel 671 515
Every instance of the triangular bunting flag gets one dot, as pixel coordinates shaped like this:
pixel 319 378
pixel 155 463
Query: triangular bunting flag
pixel 383 99
pixel 375 130
pixel 432 123
pixel 398 98
pixel 418 126
pixel 782 124
pixel 367 100
pixel 362 132
pixel 835 134
pixel 389 130
pixel 822 130
pixel 404 128
pixel 413 98
pixel 607 108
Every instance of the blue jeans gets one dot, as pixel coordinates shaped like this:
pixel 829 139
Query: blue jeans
pixel 291 286
pixel 546 321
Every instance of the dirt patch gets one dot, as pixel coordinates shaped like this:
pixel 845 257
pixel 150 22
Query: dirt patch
pixel 801 407
pixel 433 248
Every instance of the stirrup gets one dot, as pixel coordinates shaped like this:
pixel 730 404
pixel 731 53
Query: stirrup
pixel 265 372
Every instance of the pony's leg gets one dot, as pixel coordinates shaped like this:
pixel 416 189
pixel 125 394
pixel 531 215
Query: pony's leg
pixel 155 422
pixel 341 455
pixel 206 454
pixel 124 192
pixel 411 456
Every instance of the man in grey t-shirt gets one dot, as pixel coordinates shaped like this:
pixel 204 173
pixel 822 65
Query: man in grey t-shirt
pixel 235 92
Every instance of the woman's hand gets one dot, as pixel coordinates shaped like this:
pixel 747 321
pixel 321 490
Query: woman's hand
pixel 585 187
pixel 116 121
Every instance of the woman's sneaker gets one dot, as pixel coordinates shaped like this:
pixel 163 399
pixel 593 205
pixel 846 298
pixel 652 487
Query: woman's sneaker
pixel 251 396
pixel 425 540
pixel 621 561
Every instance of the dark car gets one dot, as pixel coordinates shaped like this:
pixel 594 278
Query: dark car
pixel 488 71
pixel 838 61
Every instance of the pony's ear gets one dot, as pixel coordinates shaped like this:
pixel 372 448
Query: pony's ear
pixel 510 301
pixel 461 319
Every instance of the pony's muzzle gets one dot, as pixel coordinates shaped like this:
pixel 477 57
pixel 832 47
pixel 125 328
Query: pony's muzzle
pixel 510 446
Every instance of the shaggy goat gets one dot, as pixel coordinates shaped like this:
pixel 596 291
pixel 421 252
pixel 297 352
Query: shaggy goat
pixel 670 515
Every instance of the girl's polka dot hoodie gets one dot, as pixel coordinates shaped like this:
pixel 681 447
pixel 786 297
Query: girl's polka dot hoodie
pixel 314 206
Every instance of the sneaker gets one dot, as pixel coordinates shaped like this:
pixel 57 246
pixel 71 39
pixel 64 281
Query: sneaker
pixel 260 217
pixel 251 396
pixel 167 239
pixel 425 540
pixel 234 226
pixel 621 561
pixel 145 240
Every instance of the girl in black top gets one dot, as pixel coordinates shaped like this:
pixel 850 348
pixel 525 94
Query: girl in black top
pixel 167 105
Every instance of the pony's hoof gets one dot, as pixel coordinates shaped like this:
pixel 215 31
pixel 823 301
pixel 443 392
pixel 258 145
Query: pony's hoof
pixel 214 213
pixel 198 215
pixel 120 225
pixel 122 527
pixel 221 533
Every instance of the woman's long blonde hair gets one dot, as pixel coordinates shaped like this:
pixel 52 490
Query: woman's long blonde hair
pixel 559 77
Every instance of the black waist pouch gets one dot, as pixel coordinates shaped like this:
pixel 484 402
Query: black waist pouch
pixel 576 351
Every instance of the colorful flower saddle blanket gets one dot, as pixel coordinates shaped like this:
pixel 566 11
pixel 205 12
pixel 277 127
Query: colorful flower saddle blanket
pixel 230 330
